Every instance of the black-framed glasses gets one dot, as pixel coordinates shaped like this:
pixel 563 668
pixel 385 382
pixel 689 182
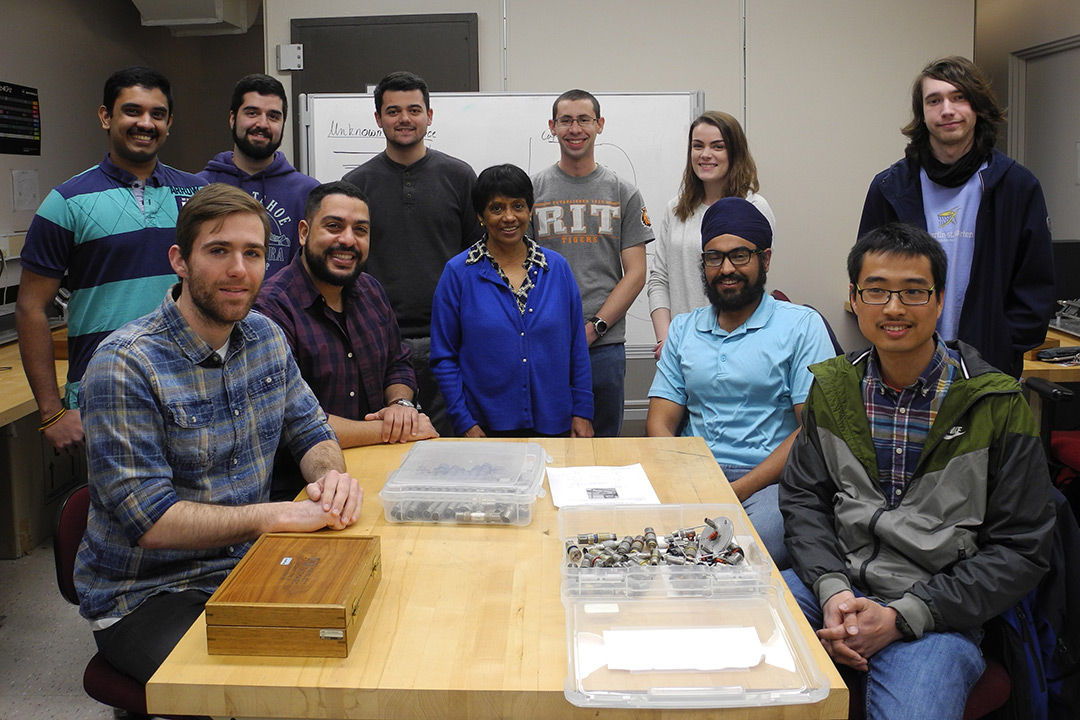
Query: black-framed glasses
pixel 738 256
pixel 584 121
pixel 908 296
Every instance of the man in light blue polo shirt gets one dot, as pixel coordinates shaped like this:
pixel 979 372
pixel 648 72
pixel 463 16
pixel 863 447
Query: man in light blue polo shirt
pixel 737 369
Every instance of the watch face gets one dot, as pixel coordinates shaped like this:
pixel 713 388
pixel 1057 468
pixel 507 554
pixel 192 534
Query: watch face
pixel 601 327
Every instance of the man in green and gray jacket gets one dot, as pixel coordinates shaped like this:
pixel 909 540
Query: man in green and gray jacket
pixel 916 500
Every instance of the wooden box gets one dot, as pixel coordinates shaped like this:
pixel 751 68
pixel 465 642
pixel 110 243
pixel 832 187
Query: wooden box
pixel 295 595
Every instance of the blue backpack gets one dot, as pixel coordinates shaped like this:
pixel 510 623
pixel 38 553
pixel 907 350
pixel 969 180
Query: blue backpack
pixel 1037 640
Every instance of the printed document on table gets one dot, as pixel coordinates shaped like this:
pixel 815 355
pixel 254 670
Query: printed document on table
pixel 601 485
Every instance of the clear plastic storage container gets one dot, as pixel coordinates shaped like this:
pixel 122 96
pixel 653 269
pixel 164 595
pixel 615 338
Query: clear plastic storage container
pixel 679 636
pixel 631 520
pixel 487 483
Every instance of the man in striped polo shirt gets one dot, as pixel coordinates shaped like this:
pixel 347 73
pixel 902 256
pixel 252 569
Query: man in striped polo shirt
pixel 108 230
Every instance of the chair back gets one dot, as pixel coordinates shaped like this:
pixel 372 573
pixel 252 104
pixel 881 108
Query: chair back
pixel 779 295
pixel 70 525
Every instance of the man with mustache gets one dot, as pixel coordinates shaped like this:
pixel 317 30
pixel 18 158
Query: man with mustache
pixel 185 408
pixel 917 499
pixel 421 203
pixel 257 118
pixel 342 331
pixel 737 369
pixel 108 231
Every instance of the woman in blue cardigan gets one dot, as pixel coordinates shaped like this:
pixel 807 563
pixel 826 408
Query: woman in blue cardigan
pixel 507 331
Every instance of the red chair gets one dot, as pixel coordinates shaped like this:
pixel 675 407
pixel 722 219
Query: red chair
pixel 1062 447
pixel 101 680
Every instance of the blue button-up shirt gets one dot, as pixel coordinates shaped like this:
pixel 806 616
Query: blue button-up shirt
pixel 167 420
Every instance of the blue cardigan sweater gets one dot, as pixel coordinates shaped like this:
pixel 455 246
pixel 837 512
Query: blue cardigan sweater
pixel 504 370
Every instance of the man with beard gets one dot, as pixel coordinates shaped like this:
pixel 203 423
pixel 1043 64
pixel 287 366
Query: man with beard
pixel 985 209
pixel 256 118
pixel 421 202
pixel 737 370
pixel 184 409
pixel 341 329
pixel 107 229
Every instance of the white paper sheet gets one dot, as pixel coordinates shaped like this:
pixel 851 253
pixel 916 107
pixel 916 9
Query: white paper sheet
pixel 692 649
pixel 601 485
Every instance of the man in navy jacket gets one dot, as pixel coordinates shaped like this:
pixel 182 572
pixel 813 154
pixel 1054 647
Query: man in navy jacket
pixel 986 210
pixel 257 116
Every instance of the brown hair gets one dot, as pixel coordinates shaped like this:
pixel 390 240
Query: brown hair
pixel 741 177
pixel 575 94
pixel 215 202
pixel 970 80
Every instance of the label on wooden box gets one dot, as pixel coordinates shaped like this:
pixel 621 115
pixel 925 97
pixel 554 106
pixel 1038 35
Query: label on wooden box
pixel 295 595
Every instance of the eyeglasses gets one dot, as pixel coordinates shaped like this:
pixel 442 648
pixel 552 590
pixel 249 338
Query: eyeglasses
pixel 584 121
pixel 908 296
pixel 738 256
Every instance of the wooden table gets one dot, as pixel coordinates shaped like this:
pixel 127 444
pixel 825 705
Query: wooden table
pixel 468 621
pixel 17 399
pixel 1054 372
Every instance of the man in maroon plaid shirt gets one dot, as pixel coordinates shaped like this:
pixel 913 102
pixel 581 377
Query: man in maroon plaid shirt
pixel 342 331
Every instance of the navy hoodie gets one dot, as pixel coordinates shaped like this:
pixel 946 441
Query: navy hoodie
pixel 281 188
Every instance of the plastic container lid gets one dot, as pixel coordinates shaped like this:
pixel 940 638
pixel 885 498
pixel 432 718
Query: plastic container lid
pixel 733 647
pixel 671 636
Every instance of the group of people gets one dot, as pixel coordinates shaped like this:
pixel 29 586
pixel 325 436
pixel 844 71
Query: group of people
pixel 902 488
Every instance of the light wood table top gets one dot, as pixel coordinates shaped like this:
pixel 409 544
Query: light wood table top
pixel 1054 372
pixel 468 621
pixel 16 399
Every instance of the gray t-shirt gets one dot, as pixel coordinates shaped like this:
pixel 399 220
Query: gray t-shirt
pixel 590 220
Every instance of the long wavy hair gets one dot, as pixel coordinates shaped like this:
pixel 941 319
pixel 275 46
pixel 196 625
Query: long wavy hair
pixel 969 79
pixel 741 177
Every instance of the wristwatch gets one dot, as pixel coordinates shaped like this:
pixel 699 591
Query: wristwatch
pixel 599 324
pixel 403 402
pixel 903 627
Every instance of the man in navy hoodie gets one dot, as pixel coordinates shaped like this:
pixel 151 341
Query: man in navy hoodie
pixel 985 209
pixel 256 117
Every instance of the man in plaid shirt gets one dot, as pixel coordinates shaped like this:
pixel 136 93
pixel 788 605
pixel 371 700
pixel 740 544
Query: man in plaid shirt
pixel 916 500
pixel 183 410
pixel 342 331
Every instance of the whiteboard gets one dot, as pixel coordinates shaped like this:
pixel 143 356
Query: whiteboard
pixel 644 140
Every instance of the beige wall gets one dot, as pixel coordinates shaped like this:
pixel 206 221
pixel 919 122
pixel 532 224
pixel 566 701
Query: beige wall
pixel 1007 26
pixel 635 46
pixel 827 85
pixel 1042 43
pixel 1052 137
pixel 829 88
pixel 69 81
pixel 826 81
pixel 69 65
